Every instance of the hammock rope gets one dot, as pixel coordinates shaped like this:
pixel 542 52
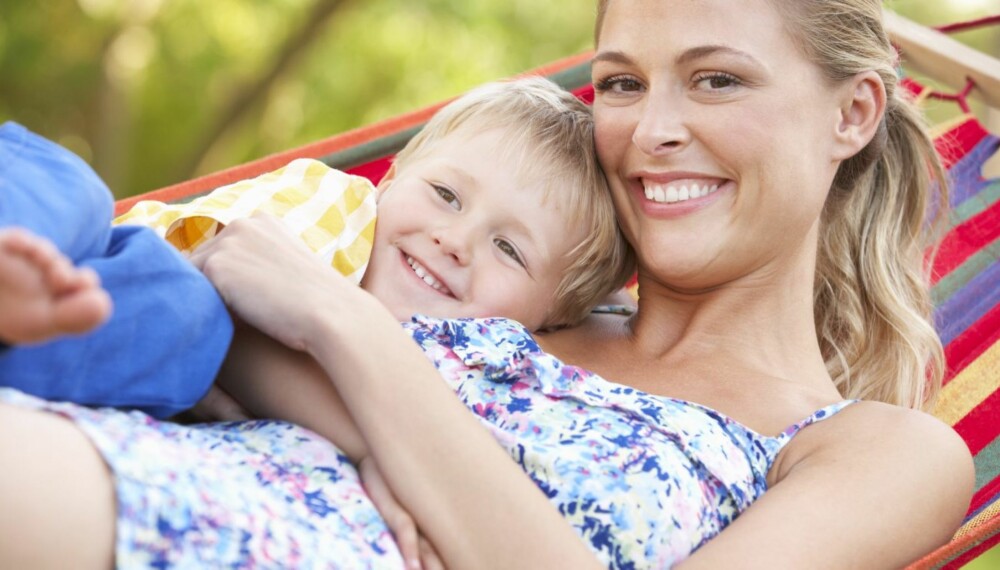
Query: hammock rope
pixel 969 25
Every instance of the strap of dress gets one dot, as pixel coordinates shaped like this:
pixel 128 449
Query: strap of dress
pixel 614 310
pixel 817 416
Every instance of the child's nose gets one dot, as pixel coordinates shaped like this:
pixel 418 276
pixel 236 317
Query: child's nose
pixel 455 242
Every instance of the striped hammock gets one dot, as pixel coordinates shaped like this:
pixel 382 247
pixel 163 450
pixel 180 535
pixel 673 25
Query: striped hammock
pixel 966 288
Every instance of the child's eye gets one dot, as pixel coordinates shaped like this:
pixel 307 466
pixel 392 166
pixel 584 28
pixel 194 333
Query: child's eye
pixel 448 196
pixel 509 250
pixel 617 84
pixel 716 81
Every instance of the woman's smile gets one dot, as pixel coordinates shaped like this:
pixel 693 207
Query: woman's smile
pixel 677 193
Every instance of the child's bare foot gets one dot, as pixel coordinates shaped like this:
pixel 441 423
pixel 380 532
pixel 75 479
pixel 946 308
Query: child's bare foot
pixel 42 295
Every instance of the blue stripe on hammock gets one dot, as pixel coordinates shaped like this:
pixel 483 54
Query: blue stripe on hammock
pixel 968 304
pixel 967 174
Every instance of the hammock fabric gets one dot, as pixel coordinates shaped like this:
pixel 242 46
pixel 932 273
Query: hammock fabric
pixel 966 288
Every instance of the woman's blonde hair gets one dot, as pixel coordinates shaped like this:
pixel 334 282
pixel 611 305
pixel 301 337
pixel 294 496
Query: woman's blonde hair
pixel 872 300
pixel 551 133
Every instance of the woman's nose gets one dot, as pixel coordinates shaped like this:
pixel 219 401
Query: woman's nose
pixel 661 128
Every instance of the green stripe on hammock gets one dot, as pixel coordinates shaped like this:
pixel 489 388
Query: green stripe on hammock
pixel 961 275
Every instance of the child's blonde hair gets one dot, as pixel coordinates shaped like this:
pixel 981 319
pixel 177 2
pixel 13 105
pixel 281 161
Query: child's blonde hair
pixel 551 133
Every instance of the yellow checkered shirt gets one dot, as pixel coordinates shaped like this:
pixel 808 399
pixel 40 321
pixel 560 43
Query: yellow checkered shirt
pixel 332 211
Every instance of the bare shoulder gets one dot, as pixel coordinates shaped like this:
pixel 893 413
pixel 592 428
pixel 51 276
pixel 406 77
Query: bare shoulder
pixel 894 429
pixel 893 433
pixel 905 466
pixel 890 452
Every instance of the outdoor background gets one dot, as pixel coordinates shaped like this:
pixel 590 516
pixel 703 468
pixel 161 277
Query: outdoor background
pixel 152 92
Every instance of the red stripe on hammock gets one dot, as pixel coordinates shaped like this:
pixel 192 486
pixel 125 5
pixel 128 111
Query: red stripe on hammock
pixel 979 427
pixel 373 170
pixel 966 240
pixel 985 495
pixel 972 343
pixel 959 141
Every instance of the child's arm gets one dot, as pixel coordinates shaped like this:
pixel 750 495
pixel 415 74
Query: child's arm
pixel 271 380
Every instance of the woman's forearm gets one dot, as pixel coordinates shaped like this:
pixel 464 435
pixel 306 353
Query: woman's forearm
pixel 271 380
pixel 465 493
pixel 472 501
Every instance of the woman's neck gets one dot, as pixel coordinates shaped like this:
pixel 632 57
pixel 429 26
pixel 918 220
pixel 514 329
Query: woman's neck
pixel 754 324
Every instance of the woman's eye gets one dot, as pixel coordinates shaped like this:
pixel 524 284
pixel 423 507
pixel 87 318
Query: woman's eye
pixel 509 250
pixel 448 196
pixel 617 84
pixel 716 81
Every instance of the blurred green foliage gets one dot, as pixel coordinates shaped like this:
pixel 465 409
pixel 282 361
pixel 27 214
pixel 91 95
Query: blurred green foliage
pixel 152 92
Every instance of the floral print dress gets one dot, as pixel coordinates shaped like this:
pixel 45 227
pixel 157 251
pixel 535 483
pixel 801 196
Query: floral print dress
pixel 643 479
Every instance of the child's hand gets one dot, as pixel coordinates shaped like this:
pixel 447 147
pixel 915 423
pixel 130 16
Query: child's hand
pixel 416 550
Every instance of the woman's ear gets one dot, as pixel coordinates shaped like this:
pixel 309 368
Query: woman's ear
pixel 861 111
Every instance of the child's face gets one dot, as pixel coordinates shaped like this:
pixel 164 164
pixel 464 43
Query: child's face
pixel 463 231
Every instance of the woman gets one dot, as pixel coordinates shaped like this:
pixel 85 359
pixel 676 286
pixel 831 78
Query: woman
pixel 796 283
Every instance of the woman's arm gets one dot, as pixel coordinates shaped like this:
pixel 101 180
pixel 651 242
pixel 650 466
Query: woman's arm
pixel 876 487
pixel 471 500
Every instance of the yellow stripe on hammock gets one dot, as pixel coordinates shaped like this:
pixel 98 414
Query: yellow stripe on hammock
pixel 979 520
pixel 972 385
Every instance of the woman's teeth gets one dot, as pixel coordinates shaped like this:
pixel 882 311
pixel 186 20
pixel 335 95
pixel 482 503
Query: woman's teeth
pixel 426 276
pixel 670 194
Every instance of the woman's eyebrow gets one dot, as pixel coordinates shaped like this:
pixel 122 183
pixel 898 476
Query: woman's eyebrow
pixel 689 55
pixel 700 52
pixel 612 57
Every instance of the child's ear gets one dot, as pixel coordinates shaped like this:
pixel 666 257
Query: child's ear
pixel 861 111
pixel 383 184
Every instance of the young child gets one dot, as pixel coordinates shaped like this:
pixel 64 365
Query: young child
pixel 496 208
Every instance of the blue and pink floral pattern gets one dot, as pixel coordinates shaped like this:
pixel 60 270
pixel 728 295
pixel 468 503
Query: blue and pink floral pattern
pixel 643 479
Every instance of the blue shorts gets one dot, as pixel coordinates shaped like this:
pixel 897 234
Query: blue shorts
pixel 169 332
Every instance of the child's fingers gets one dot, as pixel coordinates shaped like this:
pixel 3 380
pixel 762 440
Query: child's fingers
pixel 400 523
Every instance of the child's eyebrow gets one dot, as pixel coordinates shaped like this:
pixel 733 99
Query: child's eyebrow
pixel 466 178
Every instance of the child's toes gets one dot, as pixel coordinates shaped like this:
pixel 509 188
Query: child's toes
pixel 81 311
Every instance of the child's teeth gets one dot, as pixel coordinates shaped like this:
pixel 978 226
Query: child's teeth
pixel 425 276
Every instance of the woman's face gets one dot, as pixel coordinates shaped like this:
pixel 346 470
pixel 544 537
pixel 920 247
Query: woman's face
pixel 717 136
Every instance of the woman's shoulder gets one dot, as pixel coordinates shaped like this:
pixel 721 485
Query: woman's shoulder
pixel 888 436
